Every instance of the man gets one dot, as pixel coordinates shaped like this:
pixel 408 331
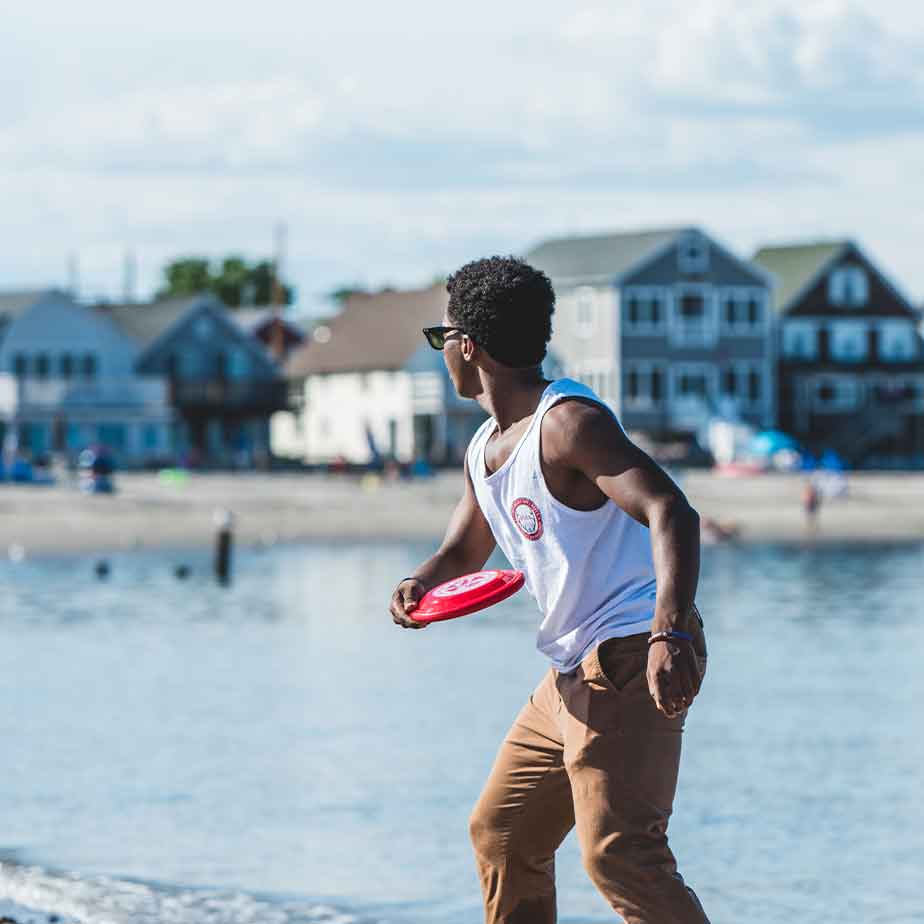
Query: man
pixel 610 549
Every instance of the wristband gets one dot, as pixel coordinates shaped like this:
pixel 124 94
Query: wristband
pixel 669 637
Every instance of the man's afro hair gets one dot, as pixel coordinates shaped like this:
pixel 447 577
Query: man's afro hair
pixel 505 306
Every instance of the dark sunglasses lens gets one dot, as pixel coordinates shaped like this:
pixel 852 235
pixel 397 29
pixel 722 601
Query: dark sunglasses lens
pixel 435 337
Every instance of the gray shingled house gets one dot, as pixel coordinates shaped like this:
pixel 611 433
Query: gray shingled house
pixel 851 372
pixel 669 327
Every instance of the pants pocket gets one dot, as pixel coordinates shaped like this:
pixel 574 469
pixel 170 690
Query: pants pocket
pixel 623 670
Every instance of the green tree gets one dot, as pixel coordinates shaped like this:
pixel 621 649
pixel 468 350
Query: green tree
pixel 235 281
pixel 188 276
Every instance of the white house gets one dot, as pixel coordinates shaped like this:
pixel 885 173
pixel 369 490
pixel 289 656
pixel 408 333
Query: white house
pixel 369 388
pixel 68 381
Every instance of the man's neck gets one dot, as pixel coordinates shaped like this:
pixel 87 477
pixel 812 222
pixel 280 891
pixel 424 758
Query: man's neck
pixel 512 397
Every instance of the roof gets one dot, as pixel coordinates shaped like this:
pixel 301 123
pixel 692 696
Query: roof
pixel 13 304
pixel 794 266
pixel 598 255
pixel 250 320
pixel 377 331
pixel 144 323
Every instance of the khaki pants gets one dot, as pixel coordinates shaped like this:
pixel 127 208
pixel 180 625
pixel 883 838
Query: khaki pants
pixel 589 749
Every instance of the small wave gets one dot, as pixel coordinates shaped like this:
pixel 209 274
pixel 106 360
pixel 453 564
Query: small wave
pixel 38 896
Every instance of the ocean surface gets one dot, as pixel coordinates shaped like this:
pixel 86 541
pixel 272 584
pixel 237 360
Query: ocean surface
pixel 277 751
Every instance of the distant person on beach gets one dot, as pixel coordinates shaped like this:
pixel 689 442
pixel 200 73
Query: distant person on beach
pixel 610 548
pixel 811 502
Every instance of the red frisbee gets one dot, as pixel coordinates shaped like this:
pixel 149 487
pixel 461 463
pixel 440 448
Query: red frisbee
pixel 467 594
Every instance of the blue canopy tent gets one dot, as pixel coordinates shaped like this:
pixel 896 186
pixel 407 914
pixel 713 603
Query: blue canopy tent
pixel 770 442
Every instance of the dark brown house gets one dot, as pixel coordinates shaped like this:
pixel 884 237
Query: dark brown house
pixel 851 357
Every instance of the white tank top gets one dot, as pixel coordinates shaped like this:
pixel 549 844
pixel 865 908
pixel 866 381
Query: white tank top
pixel 591 572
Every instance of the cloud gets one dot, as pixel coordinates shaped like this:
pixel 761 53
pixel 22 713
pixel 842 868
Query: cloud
pixel 396 146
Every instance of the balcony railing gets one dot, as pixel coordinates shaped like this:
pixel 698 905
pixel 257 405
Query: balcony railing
pixel 225 393
pixel 19 394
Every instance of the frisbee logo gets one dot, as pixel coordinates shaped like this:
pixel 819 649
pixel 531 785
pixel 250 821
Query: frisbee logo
pixel 464 584
pixel 527 517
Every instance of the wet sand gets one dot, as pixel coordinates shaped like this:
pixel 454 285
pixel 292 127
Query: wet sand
pixel 147 512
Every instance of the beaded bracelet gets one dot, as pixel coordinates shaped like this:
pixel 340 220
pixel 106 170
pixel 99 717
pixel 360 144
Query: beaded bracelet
pixel 669 636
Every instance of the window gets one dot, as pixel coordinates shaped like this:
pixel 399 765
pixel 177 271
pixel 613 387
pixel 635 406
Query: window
pixel 692 384
pixel 800 340
pixel 849 341
pixel 693 255
pixel 66 365
pixel 632 384
pixel 742 384
pixel 644 385
pixel 657 385
pixel 88 366
pixel 742 311
pixel 729 382
pixel 586 313
pixel 692 307
pixel 897 341
pixel 644 311
pixel 848 286
pixel 836 394
pixel 42 365
pixel 730 311
pixel 695 316
pixel 20 365
pixel 633 313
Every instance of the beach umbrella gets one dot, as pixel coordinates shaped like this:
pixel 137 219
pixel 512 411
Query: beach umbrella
pixel 771 441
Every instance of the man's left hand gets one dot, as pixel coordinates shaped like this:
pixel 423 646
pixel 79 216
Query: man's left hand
pixel 674 676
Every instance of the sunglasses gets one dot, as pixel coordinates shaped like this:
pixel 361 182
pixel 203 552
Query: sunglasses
pixel 437 336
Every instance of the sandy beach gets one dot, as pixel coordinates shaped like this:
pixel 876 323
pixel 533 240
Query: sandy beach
pixel 149 512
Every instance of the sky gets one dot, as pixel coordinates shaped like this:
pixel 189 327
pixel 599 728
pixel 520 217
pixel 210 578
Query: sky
pixel 397 141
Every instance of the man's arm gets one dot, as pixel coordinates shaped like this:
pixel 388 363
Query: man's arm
pixel 467 545
pixel 586 438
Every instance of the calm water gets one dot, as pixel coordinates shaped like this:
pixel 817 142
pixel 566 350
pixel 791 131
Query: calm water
pixel 279 752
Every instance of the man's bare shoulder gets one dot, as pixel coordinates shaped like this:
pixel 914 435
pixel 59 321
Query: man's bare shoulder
pixel 574 426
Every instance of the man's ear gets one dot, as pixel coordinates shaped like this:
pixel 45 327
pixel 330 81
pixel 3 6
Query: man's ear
pixel 469 347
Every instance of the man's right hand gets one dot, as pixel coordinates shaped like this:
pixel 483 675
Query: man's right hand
pixel 404 601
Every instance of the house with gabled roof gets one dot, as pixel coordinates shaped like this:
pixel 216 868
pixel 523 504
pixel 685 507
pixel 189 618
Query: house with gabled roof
pixel 851 372
pixel 668 326
pixel 68 381
pixel 278 333
pixel 222 383
pixel 370 389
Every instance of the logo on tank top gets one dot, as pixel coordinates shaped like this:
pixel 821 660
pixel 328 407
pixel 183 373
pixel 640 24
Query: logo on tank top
pixel 527 517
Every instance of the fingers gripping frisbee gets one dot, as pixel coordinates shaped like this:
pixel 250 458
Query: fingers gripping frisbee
pixel 467 594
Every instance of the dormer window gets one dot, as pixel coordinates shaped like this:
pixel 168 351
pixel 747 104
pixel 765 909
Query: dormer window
pixel 848 287
pixel 693 255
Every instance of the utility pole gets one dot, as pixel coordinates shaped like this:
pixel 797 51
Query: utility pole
pixel 129 276
pixel 278 345
pixel 73 274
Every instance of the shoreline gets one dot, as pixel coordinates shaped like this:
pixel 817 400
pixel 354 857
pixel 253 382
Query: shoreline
pixel 149 513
